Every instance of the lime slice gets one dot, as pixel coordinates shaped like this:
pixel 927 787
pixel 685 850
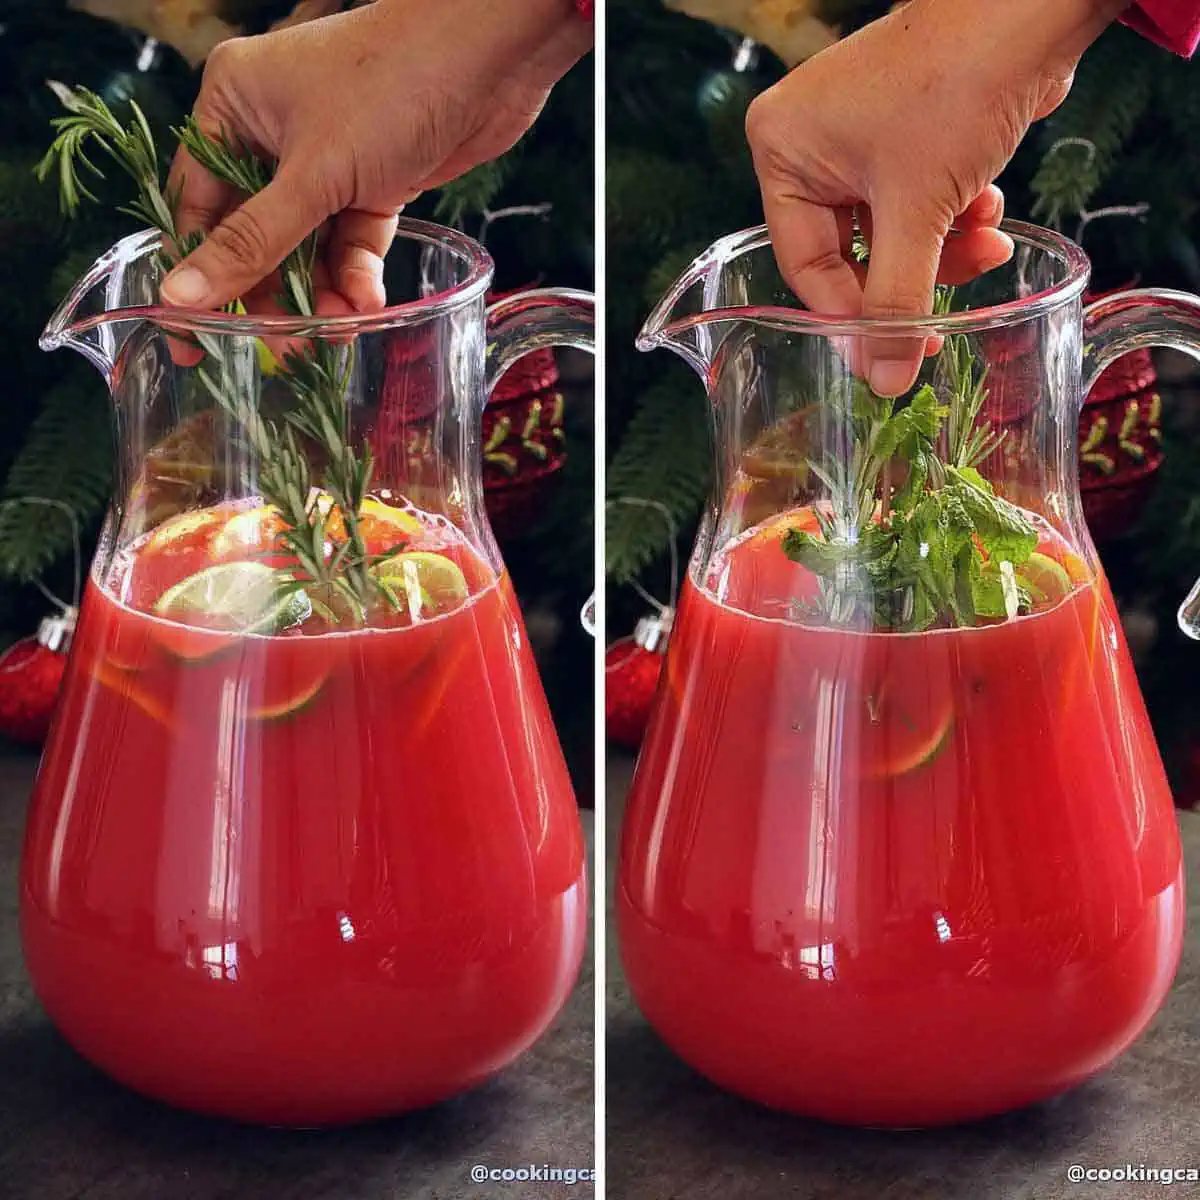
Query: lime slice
pixel 902 728
pixel 268 364
pixel 910 751
pixel 1046 578
pixel 236 597
pixel 424 583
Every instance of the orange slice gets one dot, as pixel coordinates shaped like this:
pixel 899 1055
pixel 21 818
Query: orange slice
pixel 250 531
pixel 124 684
pixel 444 673
pixel 803 519
pixel 259 529
pixel 384 527
pixel 290 683
pixel 178 532
pixel 1076 568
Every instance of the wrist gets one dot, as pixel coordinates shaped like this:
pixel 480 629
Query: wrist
pixel 1073 25
pixel 536 20
pixel 502 33
pixel 1016 35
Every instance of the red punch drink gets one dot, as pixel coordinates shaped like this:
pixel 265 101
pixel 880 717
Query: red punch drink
pixel 903 878
pixel 301 871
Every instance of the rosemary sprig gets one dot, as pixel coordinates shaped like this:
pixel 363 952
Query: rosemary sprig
pixel 317 375
pixel 131 147
pixel 969 441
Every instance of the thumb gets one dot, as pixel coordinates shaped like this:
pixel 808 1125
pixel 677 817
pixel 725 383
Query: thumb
pixel 248 245
pixel 905 252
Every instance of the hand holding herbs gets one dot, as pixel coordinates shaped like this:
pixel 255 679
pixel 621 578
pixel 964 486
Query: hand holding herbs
pixel 363 110
pixel 913 536
pixel 342 584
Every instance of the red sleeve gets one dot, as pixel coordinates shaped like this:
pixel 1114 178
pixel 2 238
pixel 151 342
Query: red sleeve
pixel 1172 24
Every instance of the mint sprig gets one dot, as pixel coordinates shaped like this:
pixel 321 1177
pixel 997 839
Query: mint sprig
pixel 913 535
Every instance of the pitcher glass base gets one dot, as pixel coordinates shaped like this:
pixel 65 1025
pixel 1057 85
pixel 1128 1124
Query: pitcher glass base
pixel 308 1055
pixel 909 1056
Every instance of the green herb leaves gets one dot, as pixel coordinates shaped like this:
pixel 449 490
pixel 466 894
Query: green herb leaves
pixel 1002 528
pixel 913 537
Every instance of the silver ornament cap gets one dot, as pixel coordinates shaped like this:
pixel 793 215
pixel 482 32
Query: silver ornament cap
pixel 652 632
pixel 55 632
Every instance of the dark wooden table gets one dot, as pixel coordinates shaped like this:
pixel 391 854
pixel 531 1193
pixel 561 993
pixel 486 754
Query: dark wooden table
pixel 68 1133
pixel 671 1134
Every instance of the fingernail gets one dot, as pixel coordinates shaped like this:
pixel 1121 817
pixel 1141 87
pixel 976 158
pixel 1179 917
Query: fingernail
pixel 891 376
pixel 186 286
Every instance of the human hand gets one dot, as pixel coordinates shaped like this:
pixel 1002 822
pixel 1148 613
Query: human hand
pixel 909 121
pixel 363 111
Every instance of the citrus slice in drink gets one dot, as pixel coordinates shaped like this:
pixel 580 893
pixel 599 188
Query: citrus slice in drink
pixel 183 532
pixel 383 525
pixel 423 583
pixel 1046 578
pixel 253 529
pixel 289 682
pixel 784 450
pixel 758 577
pixel 123 683
pixel 901 733
pixel 235 598
pixel 802 519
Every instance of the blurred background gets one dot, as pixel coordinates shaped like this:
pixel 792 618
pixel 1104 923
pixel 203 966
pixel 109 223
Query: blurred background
pixel 1116 167
pixel 533 209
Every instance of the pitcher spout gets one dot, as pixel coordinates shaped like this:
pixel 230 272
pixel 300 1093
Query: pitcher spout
pixel 680 321
pixel 710 300
pixel 91 319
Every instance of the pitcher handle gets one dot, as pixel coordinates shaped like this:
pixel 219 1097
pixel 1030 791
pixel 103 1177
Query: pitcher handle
pixel 1137 320
pixel 537 320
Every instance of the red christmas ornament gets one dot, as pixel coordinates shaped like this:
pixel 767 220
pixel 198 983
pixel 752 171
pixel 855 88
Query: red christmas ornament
pixel 1120 443
pixel 524 445
pixel 631 670
pixel 1120 434
pixel 31 673
pixel 523 438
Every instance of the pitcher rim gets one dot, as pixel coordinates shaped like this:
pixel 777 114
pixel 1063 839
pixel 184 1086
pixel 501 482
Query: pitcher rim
pixel 480 269
pixel 659 329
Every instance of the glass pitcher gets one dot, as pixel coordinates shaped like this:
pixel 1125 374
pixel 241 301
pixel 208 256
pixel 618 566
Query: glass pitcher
pixel 899 849
pixel 303 848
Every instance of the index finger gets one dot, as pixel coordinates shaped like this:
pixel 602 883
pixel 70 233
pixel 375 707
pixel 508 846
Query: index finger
pixel 201 200
pixel 807 240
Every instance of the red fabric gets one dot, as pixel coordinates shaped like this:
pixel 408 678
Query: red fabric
pixel 1172 24
pixel 585 8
